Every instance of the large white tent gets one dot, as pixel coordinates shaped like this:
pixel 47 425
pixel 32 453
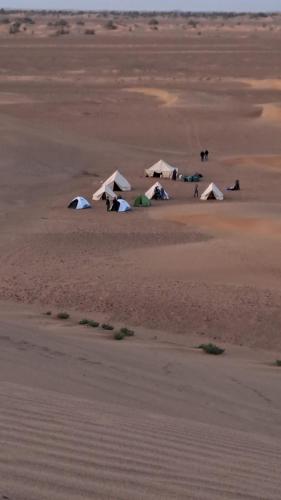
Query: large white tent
pixel 117 182
pixel 103 192
pixel 161 168
pixel 212 193
pixel 150 193
pixel 79 203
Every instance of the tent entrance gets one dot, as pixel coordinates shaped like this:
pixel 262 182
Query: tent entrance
pixel 211 196
pixel 73 204
pixel 116 187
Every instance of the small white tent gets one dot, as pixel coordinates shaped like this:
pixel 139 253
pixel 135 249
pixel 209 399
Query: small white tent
pixel 103 192
pixel 123 206
pixel 79 203
pixel 150 193
pixel 212 193
pixel 161 168
pixel 117 182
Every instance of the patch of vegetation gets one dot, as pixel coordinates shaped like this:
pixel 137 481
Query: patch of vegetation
pixel 153 22
pixel 211 349
pixel 119 335
pixel 5 20
pixel 80 22
pixel 106 326
pixel 48 313
pixel 62 315
pixel 89 31
pixel 83 321
pixel 110 25
pixel 127 332
pixel 62 31
pixel 14 28
pixel 278 362
pixel 93 324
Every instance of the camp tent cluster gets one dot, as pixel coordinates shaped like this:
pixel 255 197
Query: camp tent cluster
pixel 118 183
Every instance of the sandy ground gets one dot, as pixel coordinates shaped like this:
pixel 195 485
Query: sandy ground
pixel 83 416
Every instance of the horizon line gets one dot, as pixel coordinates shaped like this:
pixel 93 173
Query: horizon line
pixel 152 11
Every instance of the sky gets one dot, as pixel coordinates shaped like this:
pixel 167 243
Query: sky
pixel 203 5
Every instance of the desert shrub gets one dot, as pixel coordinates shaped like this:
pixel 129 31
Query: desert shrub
pixel 193 23
pixel 83 321
pixel 15 28
pixel 60 22
pixel 93 324
pixel 89 31
pixel 127 332
pixel 62 31
pixel 28 20
pixel 80 22
pixel 278 362
pixel 106 326
pixel 211 349
pixel 153 22
pixel 48 313
pixel 62 315
pixel 5 20
pixel 119 335
pixel 110 25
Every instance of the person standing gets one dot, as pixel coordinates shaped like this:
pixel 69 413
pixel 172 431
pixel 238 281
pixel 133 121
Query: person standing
pixel 206 154
pixel 202 155
pixel 196 191
pixel 107 204
pixel 174 175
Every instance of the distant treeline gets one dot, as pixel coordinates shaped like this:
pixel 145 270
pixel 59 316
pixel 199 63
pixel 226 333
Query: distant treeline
pixel 145 14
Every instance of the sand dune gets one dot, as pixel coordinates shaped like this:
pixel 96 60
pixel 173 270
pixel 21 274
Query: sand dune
pixel 272 112
pixel 167 98
pixel 137 418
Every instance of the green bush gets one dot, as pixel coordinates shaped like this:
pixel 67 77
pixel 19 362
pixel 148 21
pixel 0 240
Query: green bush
pixel 127 332
pixel 278 362
pixel 211 349
pixel 105 326
pixel 119 335
pixel 83 321
pixel 63 315
pixel 92 323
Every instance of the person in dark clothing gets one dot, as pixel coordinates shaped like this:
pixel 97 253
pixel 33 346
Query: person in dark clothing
pixel 237 185
pixel 202 155
pixel 107 204
pixel 206 154
pixel 115 205
pixel 162 193
pixel 174 175
pixel 156 195
pixel 196 191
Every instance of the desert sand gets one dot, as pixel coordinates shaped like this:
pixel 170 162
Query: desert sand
pixel 85 416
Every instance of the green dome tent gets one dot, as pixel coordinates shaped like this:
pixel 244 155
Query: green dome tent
pixel 142 201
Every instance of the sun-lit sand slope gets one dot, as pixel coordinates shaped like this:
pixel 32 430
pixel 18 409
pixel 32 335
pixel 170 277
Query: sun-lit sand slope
pixel 83 416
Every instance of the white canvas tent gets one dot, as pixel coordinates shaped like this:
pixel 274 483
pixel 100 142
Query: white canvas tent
pixel 117 182
pixel 162 169
pixel 79 203
pixel 212 193
pixel 150 193
pixel 123 206
pixel 104 191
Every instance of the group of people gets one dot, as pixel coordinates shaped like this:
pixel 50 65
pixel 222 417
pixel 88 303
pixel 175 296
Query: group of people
pixel 159 193
pixel 204 155
pixel 114 207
